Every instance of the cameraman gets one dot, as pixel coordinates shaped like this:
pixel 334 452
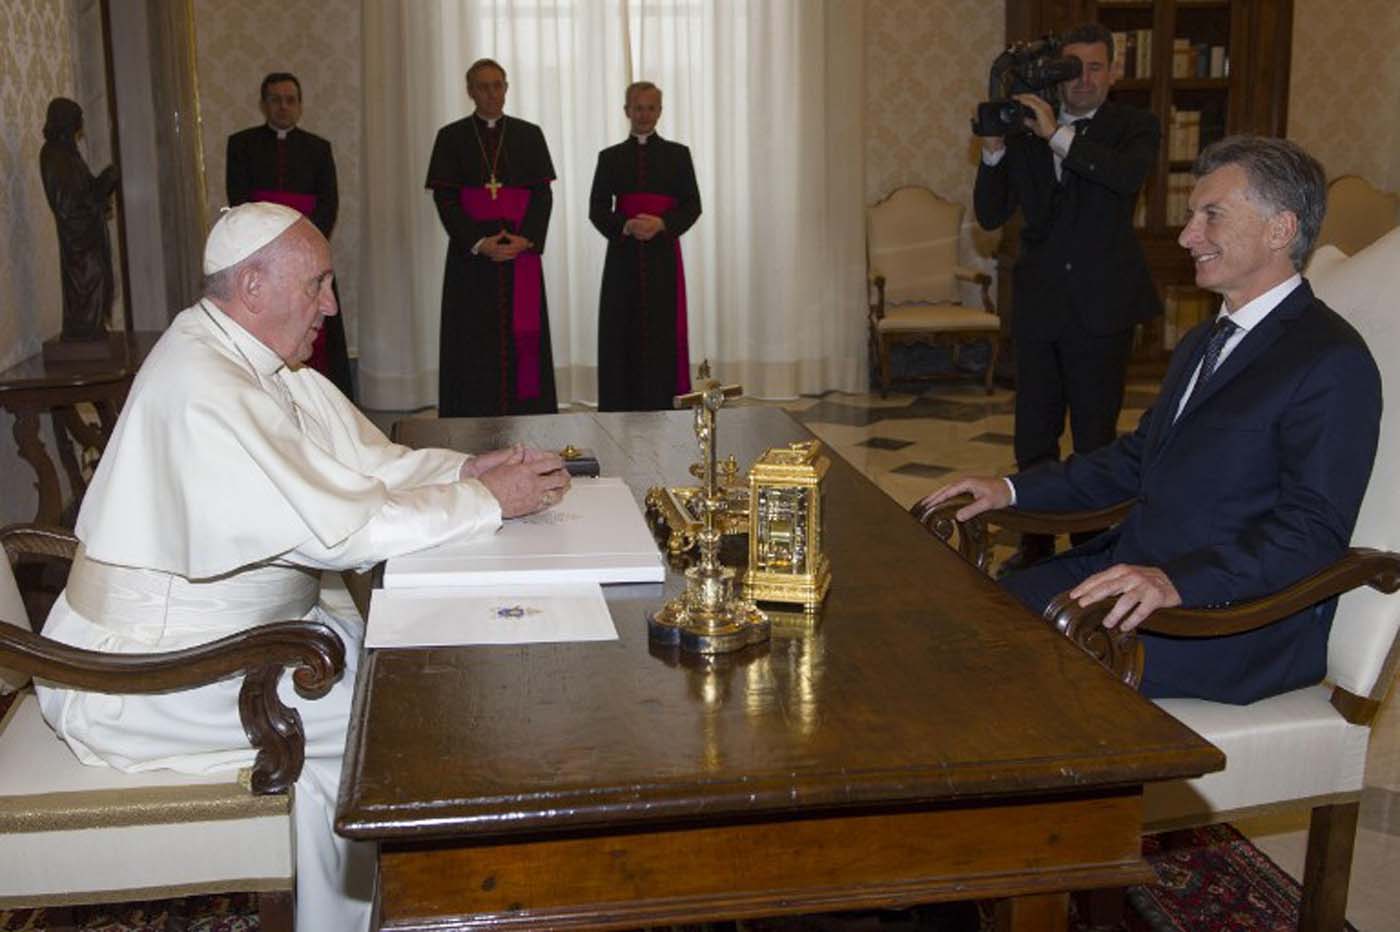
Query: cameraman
pixel 1081 281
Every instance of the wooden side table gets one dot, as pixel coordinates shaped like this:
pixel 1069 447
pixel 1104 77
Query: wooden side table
pixel 35 386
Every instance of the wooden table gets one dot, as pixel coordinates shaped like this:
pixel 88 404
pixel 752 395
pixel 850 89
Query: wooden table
pixel 36 386
pixel 929 740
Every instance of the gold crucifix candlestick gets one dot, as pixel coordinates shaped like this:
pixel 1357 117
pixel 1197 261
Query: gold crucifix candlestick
pixel 708 618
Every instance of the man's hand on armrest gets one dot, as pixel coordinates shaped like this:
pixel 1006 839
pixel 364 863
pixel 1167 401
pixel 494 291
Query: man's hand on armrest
pixel 988 493
pixel 1141 590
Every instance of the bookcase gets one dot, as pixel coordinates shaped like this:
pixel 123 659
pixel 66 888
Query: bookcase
pixel 1206 68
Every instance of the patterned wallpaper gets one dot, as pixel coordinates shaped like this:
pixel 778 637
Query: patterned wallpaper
pixel 318 41
pixel 37 48
pixel 925 70
pixel 1344 88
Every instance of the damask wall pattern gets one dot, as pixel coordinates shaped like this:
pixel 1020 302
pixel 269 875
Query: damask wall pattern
pixel 1344 87
pixel 318 41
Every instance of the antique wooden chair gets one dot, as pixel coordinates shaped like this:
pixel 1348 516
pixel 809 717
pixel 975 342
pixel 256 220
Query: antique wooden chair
pixel 912 258
pixel 1358 214
pixel 71 834
pixel 1305 748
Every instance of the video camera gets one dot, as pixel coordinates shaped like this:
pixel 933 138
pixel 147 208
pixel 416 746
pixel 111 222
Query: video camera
pixel 1025 68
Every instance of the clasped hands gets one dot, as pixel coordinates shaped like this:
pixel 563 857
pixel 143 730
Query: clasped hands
pixel 503 248
pixel 524 480
pixel 643 227
pixel 1139 590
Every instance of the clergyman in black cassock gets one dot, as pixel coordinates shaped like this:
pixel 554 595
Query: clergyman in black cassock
pixel 282 163
pixel 490 176
pixel 644 198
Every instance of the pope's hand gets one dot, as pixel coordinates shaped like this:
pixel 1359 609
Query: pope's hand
pixel 532 484
pixel 474 467
pixel 988 492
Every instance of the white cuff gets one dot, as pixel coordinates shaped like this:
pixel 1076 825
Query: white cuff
pixel 993 159
pixel 1012 486
pixel 1061 140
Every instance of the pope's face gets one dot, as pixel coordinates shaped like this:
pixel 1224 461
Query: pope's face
pixel 643 110
pixel 299 296
pixel 1087 92
pixel 487 89
pixel 282 105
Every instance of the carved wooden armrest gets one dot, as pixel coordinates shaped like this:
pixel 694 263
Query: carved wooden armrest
pixel 877 310
pixel 259 653
pixel 974 539
pixel 38 540
pixel 1122 653
pixel 963 273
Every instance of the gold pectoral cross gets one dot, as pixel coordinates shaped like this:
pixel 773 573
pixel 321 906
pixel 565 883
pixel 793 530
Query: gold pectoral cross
pixel 493 186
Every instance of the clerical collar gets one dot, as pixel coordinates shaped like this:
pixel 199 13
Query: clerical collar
pixel 259 355
pixel 643 137
pixel 281 133
pixel 491 123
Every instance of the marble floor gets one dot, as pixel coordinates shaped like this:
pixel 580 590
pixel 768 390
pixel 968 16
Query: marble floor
pixel 910 444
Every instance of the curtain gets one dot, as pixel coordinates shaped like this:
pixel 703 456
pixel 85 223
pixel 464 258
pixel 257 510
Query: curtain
pixel 767 95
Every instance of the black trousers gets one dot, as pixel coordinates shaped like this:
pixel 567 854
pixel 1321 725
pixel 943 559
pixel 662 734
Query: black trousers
pixel 1078 372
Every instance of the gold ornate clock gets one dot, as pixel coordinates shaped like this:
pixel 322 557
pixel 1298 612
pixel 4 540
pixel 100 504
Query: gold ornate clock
pixel 786 560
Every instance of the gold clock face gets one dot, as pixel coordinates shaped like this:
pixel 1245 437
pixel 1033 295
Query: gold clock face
pixel 782 528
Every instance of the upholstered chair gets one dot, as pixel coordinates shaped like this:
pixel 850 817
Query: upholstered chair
pixel 1306 748
pixel 912 259
pixel 72 834
pixel 1358 214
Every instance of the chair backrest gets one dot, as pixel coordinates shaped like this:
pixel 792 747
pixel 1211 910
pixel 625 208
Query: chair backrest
pixel 1358 214
pixel 12 610
pixel 1365 289
pixel 912 240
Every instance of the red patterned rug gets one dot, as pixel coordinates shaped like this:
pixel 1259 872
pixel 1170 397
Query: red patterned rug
pixel 1210 880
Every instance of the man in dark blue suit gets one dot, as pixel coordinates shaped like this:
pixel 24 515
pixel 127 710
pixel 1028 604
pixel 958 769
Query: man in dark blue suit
pixel 1080 281
pixel 1250 469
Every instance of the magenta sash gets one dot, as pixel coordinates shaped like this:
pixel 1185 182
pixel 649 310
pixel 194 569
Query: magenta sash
pixel 656 205
pixel 510 204
pixel 303 204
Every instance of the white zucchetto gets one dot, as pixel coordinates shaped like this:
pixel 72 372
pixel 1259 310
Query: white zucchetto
pixel 242 231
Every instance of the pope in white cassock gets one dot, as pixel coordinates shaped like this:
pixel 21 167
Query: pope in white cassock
pixel 233 478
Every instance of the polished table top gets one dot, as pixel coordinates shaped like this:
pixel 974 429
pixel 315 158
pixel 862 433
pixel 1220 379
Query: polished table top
pixel 923 683
pixel 127 349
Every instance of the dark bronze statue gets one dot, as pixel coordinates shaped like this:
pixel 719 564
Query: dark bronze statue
pixel 80 206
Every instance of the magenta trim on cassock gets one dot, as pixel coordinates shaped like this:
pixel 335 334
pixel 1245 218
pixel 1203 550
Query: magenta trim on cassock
pixel 656 204
pixel 510 204
pixel 304 203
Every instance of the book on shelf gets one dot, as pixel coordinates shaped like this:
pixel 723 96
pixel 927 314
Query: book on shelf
pixel 1183 307
pixel 1181 58
pixel 1219 62
pixel 1178 194
pixel 1143 53
pixel 1140 209
pixel 1184 135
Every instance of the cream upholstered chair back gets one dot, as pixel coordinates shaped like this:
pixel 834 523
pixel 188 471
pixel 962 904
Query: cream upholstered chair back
pixel 912 238
pixel 1365 289
pixel 1358 214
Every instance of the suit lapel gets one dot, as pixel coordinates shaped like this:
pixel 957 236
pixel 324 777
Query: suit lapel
pixel 1255 344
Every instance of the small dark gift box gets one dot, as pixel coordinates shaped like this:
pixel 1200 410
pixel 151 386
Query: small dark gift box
pixel 580 462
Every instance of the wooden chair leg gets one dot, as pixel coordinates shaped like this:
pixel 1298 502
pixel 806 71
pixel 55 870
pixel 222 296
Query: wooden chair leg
pixel 1327 870
pixel 275 911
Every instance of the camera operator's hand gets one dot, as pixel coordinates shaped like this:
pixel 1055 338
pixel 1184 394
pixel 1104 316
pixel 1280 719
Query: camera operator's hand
pixel 1044 124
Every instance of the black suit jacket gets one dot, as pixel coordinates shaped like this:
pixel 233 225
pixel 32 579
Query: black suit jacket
pixel 251 165
pixel 1080 262
pixel 1254 487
